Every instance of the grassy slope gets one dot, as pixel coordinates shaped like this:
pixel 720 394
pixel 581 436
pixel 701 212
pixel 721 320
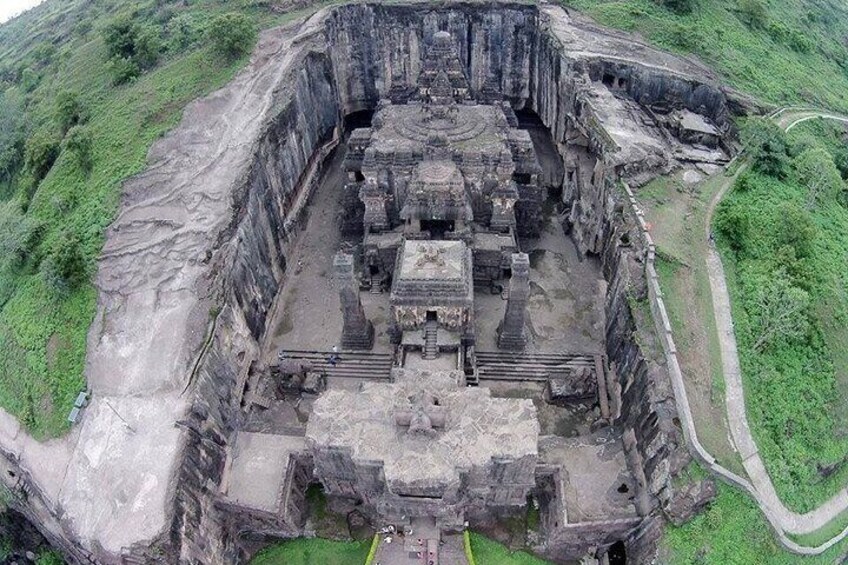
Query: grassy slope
pixel 315 551
pixel 732 531
pixel 43 338
pixel 758 61
pixel 490 552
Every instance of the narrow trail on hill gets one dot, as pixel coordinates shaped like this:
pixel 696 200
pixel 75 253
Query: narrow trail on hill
pixel 790 522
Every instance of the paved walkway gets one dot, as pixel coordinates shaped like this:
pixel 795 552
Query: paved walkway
pixel 790 522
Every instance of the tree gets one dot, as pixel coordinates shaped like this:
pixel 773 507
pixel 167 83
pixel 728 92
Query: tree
pixel 754 13
pixel 78 143
pixel 12 133
pixel 41 152
pixel 17 234
pixel 64 267
pixel 679 6
pixel 733 225
pixel 131 48
pixel 69 110
pixel 766 144
pixel 795 228
pixel 232 35
pixel 779 310
pixel 815 170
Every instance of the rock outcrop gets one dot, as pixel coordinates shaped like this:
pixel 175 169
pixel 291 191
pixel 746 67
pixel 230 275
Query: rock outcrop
pixel 197 254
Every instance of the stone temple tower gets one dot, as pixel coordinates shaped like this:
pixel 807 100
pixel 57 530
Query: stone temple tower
pixel 357 331
pixel 511 333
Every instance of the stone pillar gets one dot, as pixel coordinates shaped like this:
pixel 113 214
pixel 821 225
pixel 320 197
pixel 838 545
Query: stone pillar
pixel 357 331
pixel 511 332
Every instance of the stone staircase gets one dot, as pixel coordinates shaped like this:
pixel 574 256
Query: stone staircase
pixel 431 335
pixel 508 366
pixel 376 285
pixel 351 364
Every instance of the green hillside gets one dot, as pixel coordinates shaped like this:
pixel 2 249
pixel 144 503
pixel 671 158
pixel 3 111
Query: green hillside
pixel 85 88
pixel 781 51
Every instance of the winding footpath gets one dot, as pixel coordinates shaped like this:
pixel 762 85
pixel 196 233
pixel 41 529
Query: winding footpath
pixel 786 520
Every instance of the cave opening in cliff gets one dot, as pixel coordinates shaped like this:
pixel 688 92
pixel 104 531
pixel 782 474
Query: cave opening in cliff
pixel 546 150
pixel 617 554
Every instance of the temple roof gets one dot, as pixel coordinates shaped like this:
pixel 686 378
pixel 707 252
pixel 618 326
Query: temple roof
pixel 473 428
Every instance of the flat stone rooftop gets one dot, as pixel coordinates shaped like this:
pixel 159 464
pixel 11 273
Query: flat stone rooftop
pixel 598 485
pixel 433 260
pixel 257 468
pixel 477 427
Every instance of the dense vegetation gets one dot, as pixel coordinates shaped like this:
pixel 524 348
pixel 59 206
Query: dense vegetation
pixel 315 551
pixel 86 86
pixel 732 531
pixel 784 234
pixel 785 52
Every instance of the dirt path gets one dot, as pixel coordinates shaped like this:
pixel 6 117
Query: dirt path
pixel 789 521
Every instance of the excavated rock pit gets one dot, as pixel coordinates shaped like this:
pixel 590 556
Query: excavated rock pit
pixel 200 249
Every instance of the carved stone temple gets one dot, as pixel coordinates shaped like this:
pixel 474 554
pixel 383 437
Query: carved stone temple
pixel 438 291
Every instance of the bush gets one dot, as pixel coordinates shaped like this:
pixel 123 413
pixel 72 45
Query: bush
pixel 131 48
pixel 815 170
pixel 232 35
pixel 754 13
pixel 41 151
pixel 767 147
pixel 64 267
pixel 17 235
pixel 123 70
pixel 679 6
pixel 78 143
pixel 733 225
pixel 795 228
pixel 12 133
pixel 69 110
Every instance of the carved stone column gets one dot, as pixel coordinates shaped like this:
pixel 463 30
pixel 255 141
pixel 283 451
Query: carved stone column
pixel 357 331
pixel 511 333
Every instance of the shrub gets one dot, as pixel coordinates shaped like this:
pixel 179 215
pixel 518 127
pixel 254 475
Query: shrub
pixel 679 6
pixel 17 234
pixel 123 70
pixel 767 147
pixel 41 152
pixel 232 35
pixel 795 228
pixel 64 267
pixel 733 225
pixel 69 110
pixel 12 133
pixel 78 143
pixel 131 48
pixel 754 13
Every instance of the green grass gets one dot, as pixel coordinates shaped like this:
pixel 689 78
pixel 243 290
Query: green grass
pixel 314 551
pixel 42 335
pixel 792 389
pixel 676 213
pixel 766 62
pixel 489 552
pixel 733 531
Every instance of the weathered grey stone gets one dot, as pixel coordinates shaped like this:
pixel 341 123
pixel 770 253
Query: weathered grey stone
pixel 357 331
pixel 512 333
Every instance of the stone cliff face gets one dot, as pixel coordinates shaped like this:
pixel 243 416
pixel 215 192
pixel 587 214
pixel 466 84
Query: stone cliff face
pixel 343 60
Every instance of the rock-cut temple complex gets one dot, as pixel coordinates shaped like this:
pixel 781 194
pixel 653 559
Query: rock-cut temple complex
pixel 446 183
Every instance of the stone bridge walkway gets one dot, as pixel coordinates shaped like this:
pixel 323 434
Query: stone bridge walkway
pixel 790 522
